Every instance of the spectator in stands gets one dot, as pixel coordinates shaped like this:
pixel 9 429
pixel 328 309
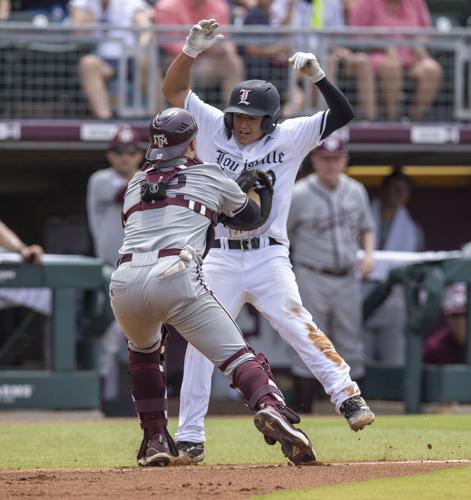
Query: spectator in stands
pixel 105 197
pixel 265 58
pixel 12 243
pixel 221 62
pixel 448 344
pixel 37 11
pixel 96 69
pixel 395 62
pixel 319 14
pixel 5 9
pixel 329 220
pixel 395 231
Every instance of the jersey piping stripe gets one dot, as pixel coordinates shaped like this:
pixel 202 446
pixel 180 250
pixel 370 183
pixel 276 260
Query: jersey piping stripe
pixel 323 124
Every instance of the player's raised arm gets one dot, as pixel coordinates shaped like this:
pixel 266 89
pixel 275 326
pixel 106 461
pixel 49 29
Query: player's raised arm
pixel 340 110
pixel 177 79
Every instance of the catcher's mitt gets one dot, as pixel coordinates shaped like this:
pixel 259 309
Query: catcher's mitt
pixel 254 179
pixel 260 182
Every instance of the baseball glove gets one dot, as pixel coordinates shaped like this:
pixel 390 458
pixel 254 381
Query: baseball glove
pixel 254 179
pixel 260 182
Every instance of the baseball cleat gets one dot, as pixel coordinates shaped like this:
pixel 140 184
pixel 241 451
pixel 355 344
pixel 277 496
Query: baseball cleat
pixel 295 445
pixel 157 453
pixel 357 412
pixel 188 453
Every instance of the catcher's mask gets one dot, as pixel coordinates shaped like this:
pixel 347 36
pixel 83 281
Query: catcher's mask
pixel 170 132
pixel 254 98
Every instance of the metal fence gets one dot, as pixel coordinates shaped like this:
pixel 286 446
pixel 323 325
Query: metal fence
pixel 40 78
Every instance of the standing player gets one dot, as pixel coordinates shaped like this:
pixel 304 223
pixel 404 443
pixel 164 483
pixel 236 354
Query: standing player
pixel 254 266
pixel 105 193
pixel 105 196
pixel 329 220
pixel 170 208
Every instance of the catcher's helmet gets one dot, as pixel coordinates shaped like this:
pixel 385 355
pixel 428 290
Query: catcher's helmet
pixel 254 98
pixel 170 132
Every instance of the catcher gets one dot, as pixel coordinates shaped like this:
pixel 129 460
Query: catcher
pixel 170 208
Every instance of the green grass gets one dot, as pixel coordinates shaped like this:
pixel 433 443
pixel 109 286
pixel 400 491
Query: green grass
pixel 450 484
pixel 113 443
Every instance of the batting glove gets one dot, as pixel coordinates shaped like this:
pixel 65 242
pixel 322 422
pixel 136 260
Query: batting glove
pixel 307 64
pixel 201 37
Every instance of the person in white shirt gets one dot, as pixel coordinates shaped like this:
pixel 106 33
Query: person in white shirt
pixel 96 69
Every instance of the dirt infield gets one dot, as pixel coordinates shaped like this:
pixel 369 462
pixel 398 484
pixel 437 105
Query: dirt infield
pixel 230 482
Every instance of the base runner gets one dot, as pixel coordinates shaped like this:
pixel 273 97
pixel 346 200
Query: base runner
pixel 253 266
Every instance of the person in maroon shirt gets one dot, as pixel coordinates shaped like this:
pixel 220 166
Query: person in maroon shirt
pixel 448 344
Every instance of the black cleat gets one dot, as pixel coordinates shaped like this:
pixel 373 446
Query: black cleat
pixel 357 412
pixel 295 445
pixel 188 453
pixel 156 453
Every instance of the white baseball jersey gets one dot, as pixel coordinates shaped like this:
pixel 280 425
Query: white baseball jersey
pixel 280 153
pixel 175 226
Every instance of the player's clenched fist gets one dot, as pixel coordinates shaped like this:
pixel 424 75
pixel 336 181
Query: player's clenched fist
pixel 201 37
pixel 307 64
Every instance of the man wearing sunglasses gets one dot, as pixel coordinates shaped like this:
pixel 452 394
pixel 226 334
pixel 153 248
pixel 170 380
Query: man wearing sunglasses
pixel 105 196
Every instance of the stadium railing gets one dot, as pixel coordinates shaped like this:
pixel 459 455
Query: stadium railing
pixel 39 67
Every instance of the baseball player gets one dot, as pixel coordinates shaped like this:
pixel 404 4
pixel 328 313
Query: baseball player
pixel 330 218
pixel 170 208
pixel 105 193
pixel 105 196
pixel 253 266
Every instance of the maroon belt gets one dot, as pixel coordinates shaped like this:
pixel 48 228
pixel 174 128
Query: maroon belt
pixel 166 252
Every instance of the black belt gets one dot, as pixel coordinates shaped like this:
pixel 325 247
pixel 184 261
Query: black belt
pixel 329 272
pixel 249 244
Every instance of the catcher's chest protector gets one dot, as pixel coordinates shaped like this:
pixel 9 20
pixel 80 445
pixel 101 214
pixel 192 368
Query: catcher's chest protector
pixel 154 195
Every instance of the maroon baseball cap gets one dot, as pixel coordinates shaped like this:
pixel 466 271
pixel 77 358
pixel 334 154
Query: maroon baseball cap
pixel 455 300
pixel 125 140
pixel 332 146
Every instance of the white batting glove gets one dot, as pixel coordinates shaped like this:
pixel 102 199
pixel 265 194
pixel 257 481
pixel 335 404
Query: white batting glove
pixel 201 37
pixel 307 64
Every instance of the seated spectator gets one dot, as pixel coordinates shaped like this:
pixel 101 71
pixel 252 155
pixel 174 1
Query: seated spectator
pixel 448 344
pixel 391 65
pixel 319 14
pixel 268 59
pixel 221 62
pixel 12 243
pixel 37 11
pixel 96 69
pixel 395 231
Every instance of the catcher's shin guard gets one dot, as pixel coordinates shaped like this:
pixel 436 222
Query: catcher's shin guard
pixel 147 374
pixel 254 380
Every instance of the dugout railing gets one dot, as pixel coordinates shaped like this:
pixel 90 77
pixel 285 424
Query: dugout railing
pixel 39 75
pixel 62 383
pixel 423 285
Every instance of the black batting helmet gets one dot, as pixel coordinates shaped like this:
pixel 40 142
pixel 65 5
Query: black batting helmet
pixel 170 132
pixel 254 98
